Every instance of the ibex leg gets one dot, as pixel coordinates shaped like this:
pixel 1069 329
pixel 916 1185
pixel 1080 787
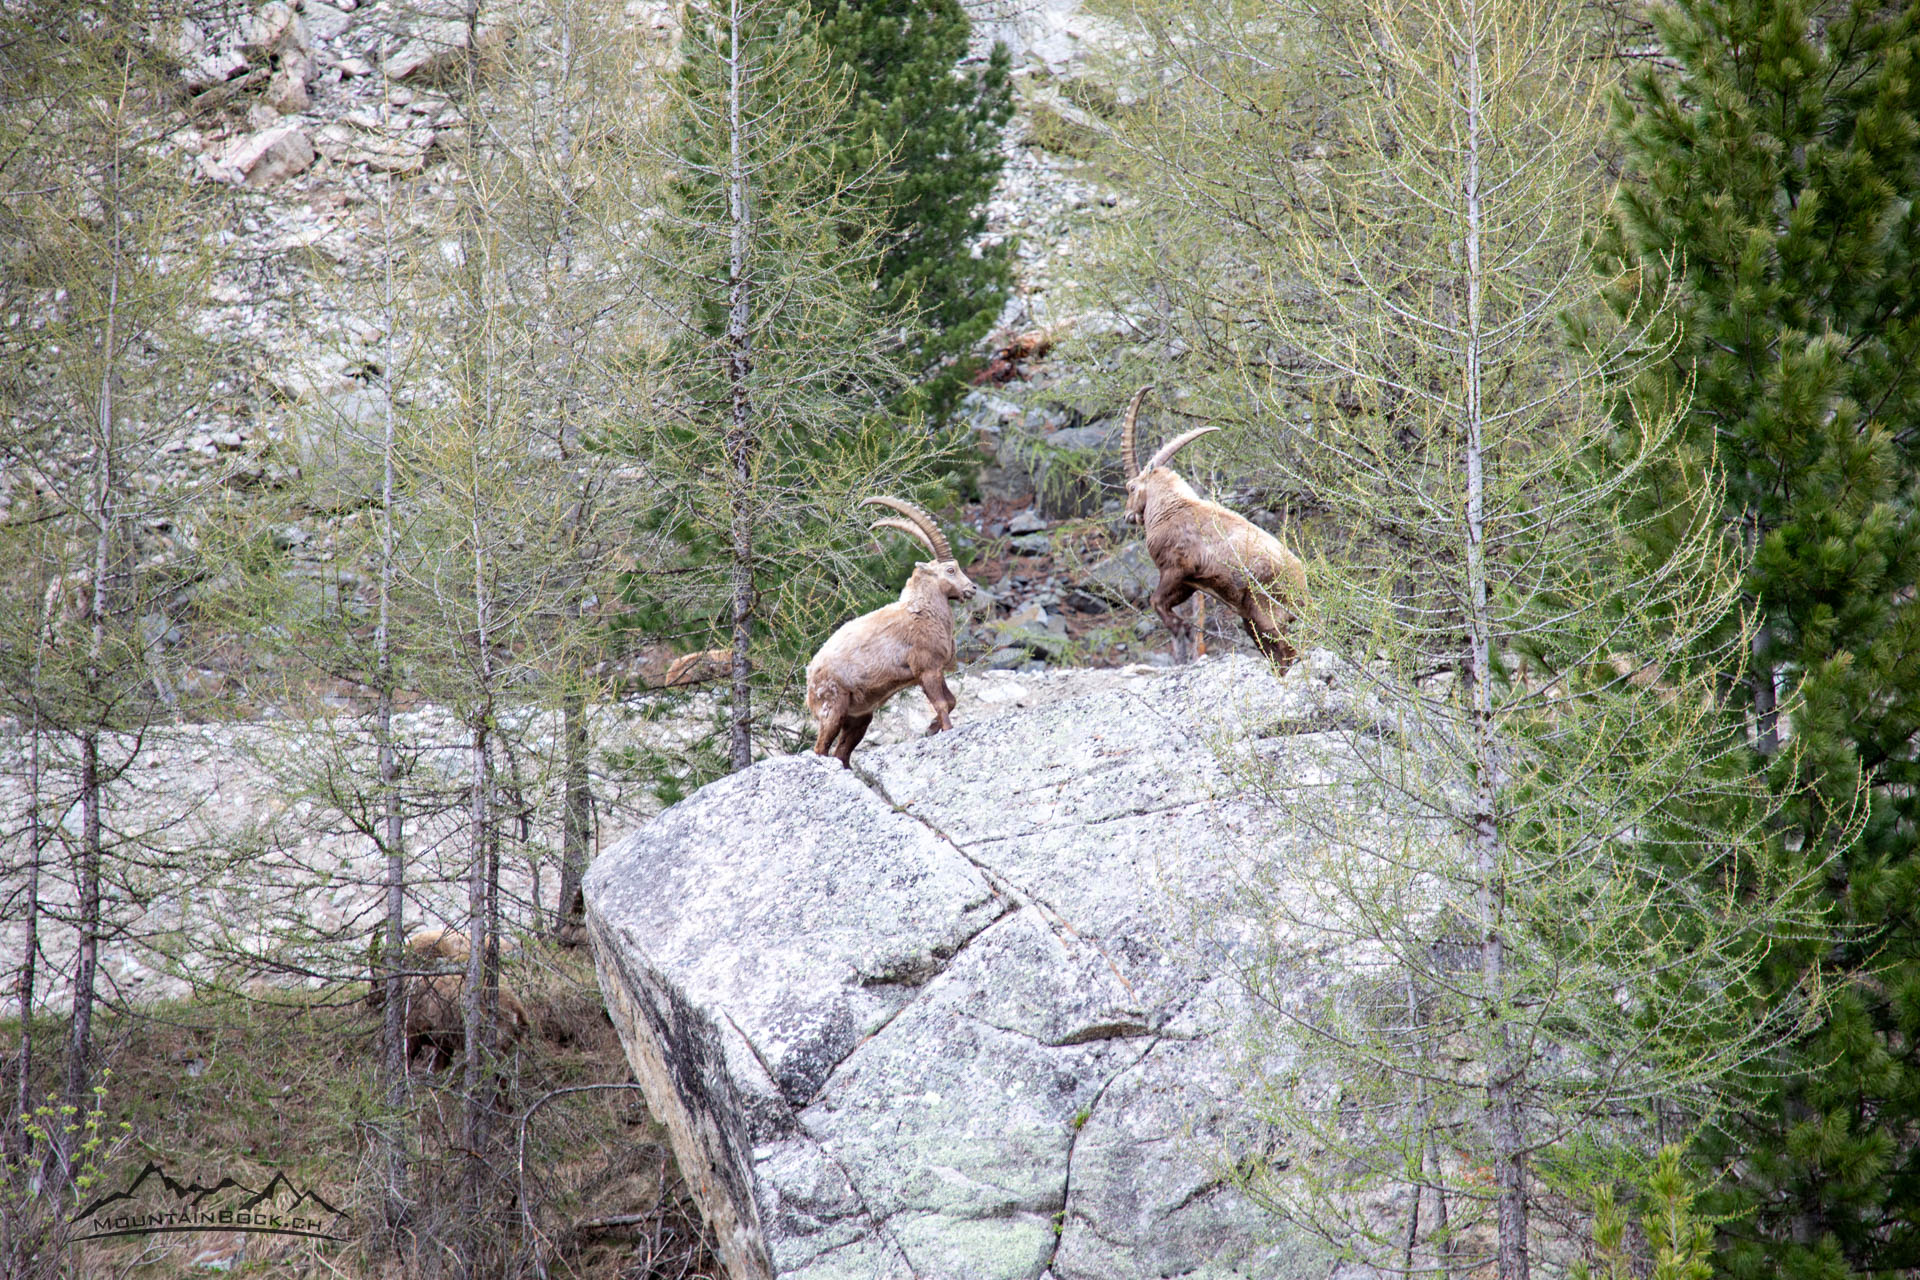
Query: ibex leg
pixel 852 729
pixel 1172 592
pixel 934 685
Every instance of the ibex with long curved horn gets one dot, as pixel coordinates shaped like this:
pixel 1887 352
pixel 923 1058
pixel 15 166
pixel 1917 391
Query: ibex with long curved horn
pixel 1199 545
pixel 878 654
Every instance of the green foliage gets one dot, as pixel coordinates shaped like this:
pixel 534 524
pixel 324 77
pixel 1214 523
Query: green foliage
pixel 1677 1240
pixel 934 126
pixel 775 391
pixel 1773 176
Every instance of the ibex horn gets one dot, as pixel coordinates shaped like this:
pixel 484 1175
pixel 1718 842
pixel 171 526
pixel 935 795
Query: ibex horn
pixel 936 540
pixel 909 528
pixel 1128 454
pixel 1175 445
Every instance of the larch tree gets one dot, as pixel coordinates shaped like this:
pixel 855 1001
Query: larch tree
pixel 102 275
pixel 1532 840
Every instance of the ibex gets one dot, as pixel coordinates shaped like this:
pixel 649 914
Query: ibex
pixel 876 655
pixel 1199 545
pixel 435 1002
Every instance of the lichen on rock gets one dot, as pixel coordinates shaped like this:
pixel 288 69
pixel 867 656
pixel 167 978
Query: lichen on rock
pixel 944 1025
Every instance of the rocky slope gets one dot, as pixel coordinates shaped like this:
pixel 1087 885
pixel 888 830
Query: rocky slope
pixel 938 1017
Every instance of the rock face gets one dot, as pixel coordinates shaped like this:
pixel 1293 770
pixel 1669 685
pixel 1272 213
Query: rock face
pixel 931 1018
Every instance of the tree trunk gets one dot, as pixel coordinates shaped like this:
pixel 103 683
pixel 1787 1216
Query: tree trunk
pixel 19 1142
pixel 393 1026
pixel 739 367
pixel 77 1094
pixel 1766 710
pixel 577 830
pixel 473 1006
pixel 1504 1069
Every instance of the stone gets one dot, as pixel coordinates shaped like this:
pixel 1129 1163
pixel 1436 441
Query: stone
pixel 931 1018
pixel 324 21
pixel 1032 544
pixel 1071 469
pixel 1033 630
pixel 287 90
pixel 264 158
pixel 1028 521
pixel 1004 484
pixel 274 28
pixel 1125 577
pixel 1007 658
pixel 214 67
pixel 435 49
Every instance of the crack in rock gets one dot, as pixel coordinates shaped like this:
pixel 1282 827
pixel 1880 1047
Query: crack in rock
pixel 826 1083
pixel 999 882
pixel 1081 1122
pixel 877 1221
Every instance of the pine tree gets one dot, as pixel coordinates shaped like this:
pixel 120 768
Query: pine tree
pixel 934 124
pixel 771 394
pixel 1773 174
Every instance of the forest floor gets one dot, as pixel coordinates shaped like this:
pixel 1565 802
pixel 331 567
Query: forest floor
pixel 281 1096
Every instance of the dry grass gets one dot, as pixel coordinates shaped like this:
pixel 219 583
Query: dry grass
pixel 583 1184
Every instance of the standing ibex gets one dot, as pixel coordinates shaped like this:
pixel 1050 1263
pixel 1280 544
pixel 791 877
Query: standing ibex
pixel 876 655
pixel 1199 545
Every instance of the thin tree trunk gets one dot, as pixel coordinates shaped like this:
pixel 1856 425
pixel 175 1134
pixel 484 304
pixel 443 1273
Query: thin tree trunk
pixel 473 1004
pixel 1766 711
pixel 19 1141
pixel 577 830
pixel 1445 1251
pixel 77 1093
pixel 739 367
pixel 477 373
pixel 393 1026
pixel 1489 854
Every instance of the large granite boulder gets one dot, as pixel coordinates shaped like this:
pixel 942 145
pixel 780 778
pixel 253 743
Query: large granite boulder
pixel 934 1017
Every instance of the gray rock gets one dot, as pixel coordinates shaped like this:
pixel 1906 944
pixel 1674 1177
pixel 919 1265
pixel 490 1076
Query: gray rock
pixel 984 411
pixel 1125 577
pixel 274 28
pixel 324 21
pixel 436 49
pixel 1011 485
pixel 1028 521
pixel 930 1019
pixel 265 158
pixel 1071 469
pixel 287 90
pixel 1032 544
pixel 1007 658
pixel 1034 631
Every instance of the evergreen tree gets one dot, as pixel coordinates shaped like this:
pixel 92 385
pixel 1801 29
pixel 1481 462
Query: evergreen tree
pixel 1773 176
pixel 934 126
pixel 769 397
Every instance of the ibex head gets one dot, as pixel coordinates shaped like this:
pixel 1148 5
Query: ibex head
pixel 943 571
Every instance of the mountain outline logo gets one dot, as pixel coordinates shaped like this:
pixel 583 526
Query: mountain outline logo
pixel 154 1202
